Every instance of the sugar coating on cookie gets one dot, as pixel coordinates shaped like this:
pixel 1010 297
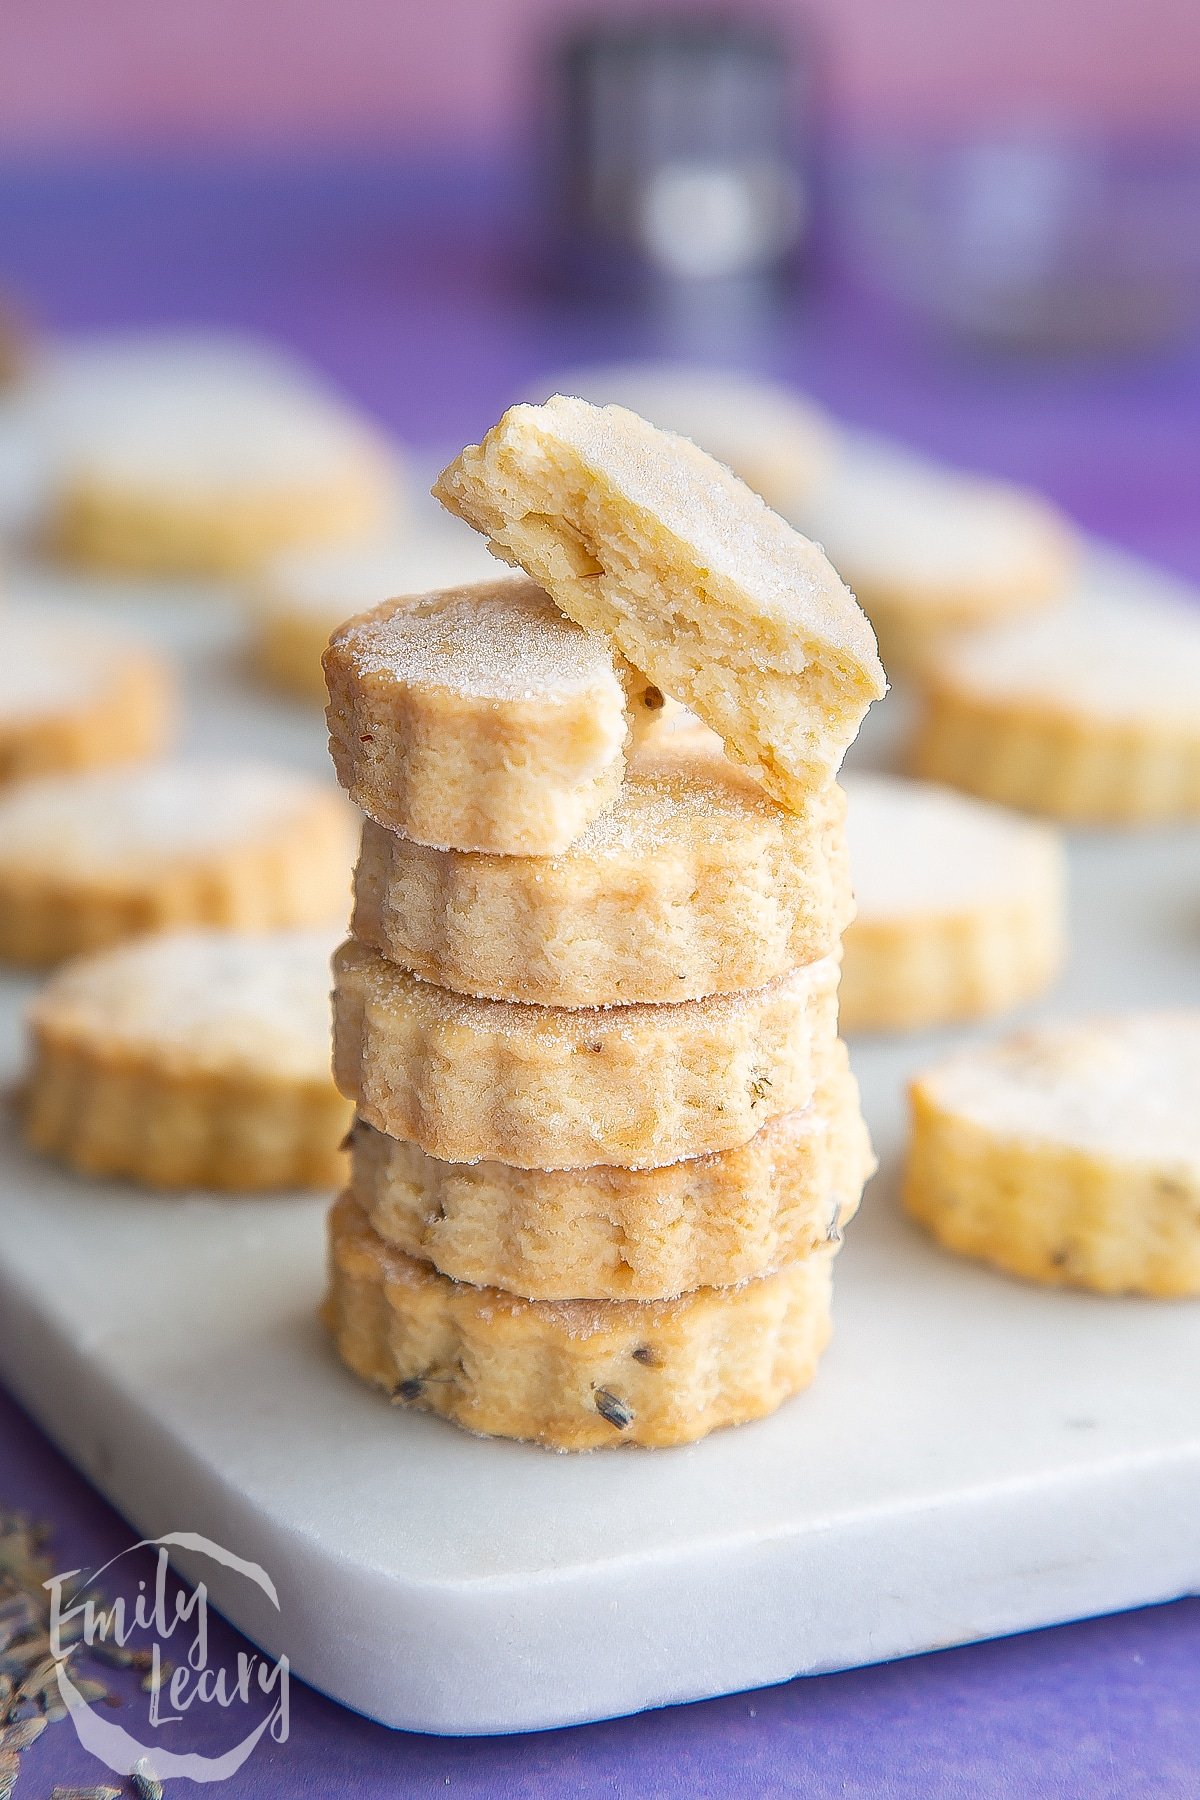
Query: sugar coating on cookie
pixel 779 442
pixel 639 534
pixel 574 1374
pixel 75 696
pixel 191 1058
pixel 959 906
pixel 1124 1088
pixel 626 1234
pixel 305 595
pixel 929 549
pixel 201 1001
pixel 186 454
pixel 1068 1154
pixel 476 718
pixel 1090 711
pixel 693 882
pixel 121 821
pixel 87 859
pixel 555 1088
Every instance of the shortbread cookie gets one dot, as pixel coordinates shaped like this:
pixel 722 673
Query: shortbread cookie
pixel 197 459
pixel 476 718
pixel 694 882
pixel 571 1374
pixel 191 1059
pixel 74 697
pixel 88 859
pixel 780 443
pixel 929 550
pixel 639 534
pixel 1089 713
pixel 626 1234
pixel 1069 1154
pixel 960 907
pixel 548 1088
pixel 306 594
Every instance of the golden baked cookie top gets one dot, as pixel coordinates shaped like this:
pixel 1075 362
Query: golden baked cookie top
pixel 637 533
pixel 197 1002
pixel 1126 1087
pixel 123 822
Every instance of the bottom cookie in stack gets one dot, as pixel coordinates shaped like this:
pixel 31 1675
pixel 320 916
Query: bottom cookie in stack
pixel 529 1303
pixel 574 1374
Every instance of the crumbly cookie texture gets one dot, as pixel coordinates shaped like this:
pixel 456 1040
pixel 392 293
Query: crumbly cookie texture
pixel 75 697
pixel 573 1374
pixel 1069 1154
pixel 197 464
pixel 88 859
pixel 626 1234
pixel 195 1059
pixel 305 595
pixel 1089 713
pixel 960 907
pixel 639 534
pixel 693 882
pixel 551 1088
pixel 476 718
pixel 929 550
pixel 779 442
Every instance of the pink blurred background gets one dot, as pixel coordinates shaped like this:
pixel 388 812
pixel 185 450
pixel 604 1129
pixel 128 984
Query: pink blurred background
pixel 273 73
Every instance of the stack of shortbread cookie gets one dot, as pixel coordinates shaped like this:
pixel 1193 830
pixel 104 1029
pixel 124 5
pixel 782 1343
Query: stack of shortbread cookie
pixel 607 1135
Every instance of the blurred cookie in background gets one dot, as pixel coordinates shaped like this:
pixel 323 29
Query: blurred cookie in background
pixel 304 595
pixel 1089 713
pixel 780 443
pixel 961 907
pixel 200 454
pixel 192 1059
pixel 75 695
pixel 1068 1154
pixel 929 550
pixel 88 859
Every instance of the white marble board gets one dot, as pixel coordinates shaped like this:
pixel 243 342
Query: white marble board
pixel 976 1457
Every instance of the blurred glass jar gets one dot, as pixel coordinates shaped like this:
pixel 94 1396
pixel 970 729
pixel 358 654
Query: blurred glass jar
pixel 1035 240
pixel 672 156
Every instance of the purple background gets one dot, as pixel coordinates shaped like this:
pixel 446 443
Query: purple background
pixel 410 285
pixel 374 72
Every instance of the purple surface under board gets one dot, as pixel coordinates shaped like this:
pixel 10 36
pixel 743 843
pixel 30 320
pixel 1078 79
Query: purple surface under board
pixel 1107 1709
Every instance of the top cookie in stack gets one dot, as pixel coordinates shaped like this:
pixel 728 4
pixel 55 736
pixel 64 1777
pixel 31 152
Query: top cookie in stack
pixel 637 534
pixel 607 1135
